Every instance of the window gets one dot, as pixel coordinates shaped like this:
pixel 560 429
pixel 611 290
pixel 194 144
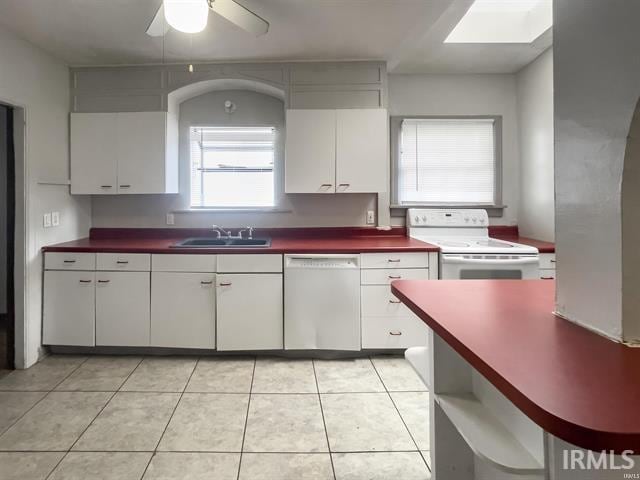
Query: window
pixel 232 167
pixel 447 161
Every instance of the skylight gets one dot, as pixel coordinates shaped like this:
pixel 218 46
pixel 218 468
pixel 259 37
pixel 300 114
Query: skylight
pixel 503 21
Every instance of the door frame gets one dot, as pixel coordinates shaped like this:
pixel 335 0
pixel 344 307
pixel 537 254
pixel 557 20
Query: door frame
pixel 22 234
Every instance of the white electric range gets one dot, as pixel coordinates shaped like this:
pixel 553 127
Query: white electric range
pixel 466 250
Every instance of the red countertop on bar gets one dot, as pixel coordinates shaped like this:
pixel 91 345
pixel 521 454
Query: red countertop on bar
pixel 311 240
pixel 575 384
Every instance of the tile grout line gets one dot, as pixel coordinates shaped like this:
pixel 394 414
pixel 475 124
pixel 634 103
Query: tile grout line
pixel 46 394
pixel 324 423
pixel 155 450
pixel 246 418
pixel 400 415
pixel 113 394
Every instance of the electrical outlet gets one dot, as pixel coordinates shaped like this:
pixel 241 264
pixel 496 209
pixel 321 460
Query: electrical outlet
pixel 55 219
pixel 171 219
pixel 371 217
pixel 46 220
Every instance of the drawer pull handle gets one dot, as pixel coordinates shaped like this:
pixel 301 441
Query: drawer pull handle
pixel 206 283
pixel 85 281
pixel 552 261
pixel 225 284
pixel 546 278
pixel 393 260
pixel 122 262
pixel 106 186
pixel 395 301
pixel 395 333
pixel 344 184
pixel 68 261
pixel 104 281
pixel 394 277
pixel 326 185
pixel 125 186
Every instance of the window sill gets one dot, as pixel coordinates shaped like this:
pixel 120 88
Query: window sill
pixel 494 211
pixel 234 210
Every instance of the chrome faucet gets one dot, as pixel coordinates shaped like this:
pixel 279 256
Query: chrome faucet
pixel 221 231
pixel 246 229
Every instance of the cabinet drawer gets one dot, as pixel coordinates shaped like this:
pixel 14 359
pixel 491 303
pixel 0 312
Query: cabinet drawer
pixel 547 260
pixel 133 262
pixel 250 263
pixel 395 260
pixel 384 276
pixel 69 261
pixel 547 273
pixel 377 300
pixel 183 263
pixel 393 332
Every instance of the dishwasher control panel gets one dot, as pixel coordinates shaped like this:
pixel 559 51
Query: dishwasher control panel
pixel 322 261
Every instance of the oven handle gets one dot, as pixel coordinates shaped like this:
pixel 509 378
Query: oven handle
pixel 490 261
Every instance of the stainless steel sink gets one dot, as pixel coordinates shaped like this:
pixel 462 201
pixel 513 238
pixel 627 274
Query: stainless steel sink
pixel 223 242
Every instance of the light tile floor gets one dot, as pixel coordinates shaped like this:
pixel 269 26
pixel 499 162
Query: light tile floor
pixel 228 418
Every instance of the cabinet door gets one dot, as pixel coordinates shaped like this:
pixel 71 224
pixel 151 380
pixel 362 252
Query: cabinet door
pixel 93 159
pixel 183 310
pixel 310 152
pixel 69 308
pixel 362 150
pixel 141 152
pixel 123 308
pixel 249 311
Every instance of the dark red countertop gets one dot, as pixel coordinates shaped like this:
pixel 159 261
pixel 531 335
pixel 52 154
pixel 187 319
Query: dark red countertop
pixel 312 240
pixel 511 233
pixel 575 384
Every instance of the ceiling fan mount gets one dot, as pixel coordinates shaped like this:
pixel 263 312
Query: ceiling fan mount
pixel 229 9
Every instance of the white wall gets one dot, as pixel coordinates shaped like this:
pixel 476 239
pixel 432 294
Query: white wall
pixel 467 95
pixel 596 88
pixel 3 209
pixel 534 87
pixel 40 84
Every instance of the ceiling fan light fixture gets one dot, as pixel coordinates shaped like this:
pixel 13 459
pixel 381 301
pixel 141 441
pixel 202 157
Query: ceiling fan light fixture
pixel 188 16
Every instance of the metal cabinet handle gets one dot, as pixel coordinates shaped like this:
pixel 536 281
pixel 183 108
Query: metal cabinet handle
pixel 68 261
pixel 125 186
pixel 226 284
pixel 546 278
pixel 122 262
pixel 552 261
pixel 206 283
pixel 106 186
pixel 85 281
pixel 104 281
pixel 395 333
pixel 344 184
pixel 393 260
pixel 326 185
pixel 395 301
pixel 394 277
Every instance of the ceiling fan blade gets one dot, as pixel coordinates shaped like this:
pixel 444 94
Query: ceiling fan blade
pixel 158 26
pixel 242 17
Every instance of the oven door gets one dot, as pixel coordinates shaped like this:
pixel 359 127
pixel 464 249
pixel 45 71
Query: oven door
pixel 475 267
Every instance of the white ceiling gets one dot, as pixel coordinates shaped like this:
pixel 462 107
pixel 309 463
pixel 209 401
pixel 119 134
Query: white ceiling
pixel 408 34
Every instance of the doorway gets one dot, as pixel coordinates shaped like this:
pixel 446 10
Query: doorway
pixel 7 235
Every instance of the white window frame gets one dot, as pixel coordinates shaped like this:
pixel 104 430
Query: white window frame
pixel 274 171
pixel 396 132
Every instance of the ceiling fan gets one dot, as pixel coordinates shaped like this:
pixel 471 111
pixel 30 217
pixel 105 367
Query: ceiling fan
pixel 190 16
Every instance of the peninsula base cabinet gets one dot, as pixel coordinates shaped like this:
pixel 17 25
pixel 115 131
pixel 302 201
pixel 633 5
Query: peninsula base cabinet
pixel 69 308
pixel 250 311
pixel 123 313
pixel 183 310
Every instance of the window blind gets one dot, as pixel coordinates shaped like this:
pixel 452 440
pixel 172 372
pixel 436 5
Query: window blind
pixel 232 166
pixel 447 161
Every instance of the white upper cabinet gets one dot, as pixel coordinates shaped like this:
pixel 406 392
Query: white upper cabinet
pixel 93 157
pixel 124 153
pixel 337 151
pixel 362 151
pixel 310 165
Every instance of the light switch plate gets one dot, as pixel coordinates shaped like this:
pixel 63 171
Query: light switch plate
pixel 171 219
pixel 371 217
pixel 55 219
pixel 46 220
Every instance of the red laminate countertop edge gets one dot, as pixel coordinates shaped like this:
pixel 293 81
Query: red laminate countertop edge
pixel 575 384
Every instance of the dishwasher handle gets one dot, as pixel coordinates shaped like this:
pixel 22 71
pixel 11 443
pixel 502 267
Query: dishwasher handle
pixel 322 261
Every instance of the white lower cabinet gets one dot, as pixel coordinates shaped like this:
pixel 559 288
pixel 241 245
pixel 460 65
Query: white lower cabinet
pixel 249 311
pixel 123 312
pixel 183 310
pixel 69 308
pixel 393 332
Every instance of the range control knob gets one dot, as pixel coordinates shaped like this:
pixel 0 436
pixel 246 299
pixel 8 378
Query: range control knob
pixel 416 219
pixel 424 218
pixel 466 219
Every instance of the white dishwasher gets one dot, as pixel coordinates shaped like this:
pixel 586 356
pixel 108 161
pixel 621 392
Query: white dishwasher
pixel 322 302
